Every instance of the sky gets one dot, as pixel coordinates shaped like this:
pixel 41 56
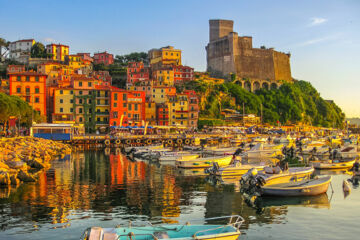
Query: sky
pixel 322 36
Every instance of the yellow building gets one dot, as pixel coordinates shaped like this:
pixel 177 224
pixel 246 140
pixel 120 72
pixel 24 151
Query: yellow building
pixel 160 93
pixel 165 56
pixel 54 70
pixel 77 61
pixel 178 110
pixel 102 109
pixel 59 52
pixel 150 113
pixel 164 77
pixel 63 106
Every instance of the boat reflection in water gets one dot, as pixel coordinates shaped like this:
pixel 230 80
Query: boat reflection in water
pixel 93 187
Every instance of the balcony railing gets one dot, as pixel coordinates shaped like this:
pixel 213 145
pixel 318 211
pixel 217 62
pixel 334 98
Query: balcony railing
pixel 102 123
pixel 102 113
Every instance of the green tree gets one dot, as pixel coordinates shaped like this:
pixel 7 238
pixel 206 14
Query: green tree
pixel 38 51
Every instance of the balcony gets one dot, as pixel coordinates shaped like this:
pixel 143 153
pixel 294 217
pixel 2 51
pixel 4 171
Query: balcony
pixel 181 111
pixel 181 118
pixel 101 97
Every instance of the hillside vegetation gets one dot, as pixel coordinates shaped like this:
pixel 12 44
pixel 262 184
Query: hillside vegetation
pixel 291 103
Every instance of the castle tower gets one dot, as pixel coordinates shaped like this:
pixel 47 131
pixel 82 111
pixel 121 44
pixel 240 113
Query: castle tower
pixel 220 28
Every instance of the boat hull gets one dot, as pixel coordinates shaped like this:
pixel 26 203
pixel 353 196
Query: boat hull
pixel 338 165
pixel 204 162
pixel 237 171
pixel 289 176
pixel 316 187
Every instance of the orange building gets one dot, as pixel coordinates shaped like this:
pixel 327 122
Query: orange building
pixel 31 87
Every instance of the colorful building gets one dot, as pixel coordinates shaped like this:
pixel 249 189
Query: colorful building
pixel 183 74
pixel 193 108
pixel 150 113
pixel 165 56
pixel 63 105
pixel 162 113
pixel 20 48
pixel 160 93
pixel 59 51
pixel 127 107
pixel 15 68
pixel 31 87
pixel 164 77
pixel 102 106
pixel 104 57
pixel 136 73
pixel 178 106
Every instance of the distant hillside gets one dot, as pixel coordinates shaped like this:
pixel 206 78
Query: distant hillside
pixel 354 121
pixel 291 103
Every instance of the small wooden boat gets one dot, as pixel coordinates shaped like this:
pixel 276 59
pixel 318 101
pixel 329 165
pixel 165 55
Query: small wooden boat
pixel 204 162
pixel 333 164
pixel 318 201
pixel 310 187
pixel 228 231
pixel 294 174
pixel 264 151
pixel 178 156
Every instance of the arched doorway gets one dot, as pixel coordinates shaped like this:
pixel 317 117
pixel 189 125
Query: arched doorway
pixel 265 85
pixel 256 86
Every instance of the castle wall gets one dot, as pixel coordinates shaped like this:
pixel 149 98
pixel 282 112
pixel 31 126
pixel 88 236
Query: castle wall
pixel 255 64
pixel 282 66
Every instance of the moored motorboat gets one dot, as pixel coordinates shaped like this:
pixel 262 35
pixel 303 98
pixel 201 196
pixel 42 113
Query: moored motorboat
pixel 333 164
pixel 229 231
pixel 234 169
pixel 309 187
pixel 276 176
pixel 204 162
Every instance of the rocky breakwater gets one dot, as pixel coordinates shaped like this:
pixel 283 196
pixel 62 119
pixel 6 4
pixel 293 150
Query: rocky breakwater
pixel 21 158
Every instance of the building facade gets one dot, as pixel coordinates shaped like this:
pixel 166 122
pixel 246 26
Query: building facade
pixel 137 73
pixel 165 56
pixel 31 87
pixel 59 51
pixel 20 50
pixel 104 57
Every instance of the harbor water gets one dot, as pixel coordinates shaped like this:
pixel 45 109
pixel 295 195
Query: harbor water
pixel 94 188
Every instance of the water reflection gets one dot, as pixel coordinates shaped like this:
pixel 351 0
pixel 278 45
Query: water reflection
pixel 108 187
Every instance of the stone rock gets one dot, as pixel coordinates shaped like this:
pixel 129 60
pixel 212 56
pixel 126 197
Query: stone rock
pixel 4 178
pixel 25 176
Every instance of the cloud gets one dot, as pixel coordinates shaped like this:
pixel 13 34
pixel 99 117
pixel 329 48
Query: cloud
pixel 49 40
pixel 315 21
pixel 319 40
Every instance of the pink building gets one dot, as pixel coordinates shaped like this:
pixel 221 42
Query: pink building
pixel 104 57
pixel 136 72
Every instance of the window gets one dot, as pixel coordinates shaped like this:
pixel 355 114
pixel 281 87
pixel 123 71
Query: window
pixel 71 100
pixel 61 110
pixel 37 90
pixel 136 107
pixel 27 78
pixel 27 89
pixel 114 123
pixel 162 90
pixel 153 96
pixel 80 110
pixel 149 105
pixel 162 96
pixel 124 97
pixel 61 101
pixel 106 102
pixel 37 100
pixel 98 119
pixel 80 101
pixel 36 78
pixel 89 101
pixel 80 92
pixel 71 110
pixel 61 92
pixel 115 114
pixel 115 104
pixel 129 115
pixel 71 92
pixel 80 119
pixel 173 104
pixel 89 84
pixel 18 78
pixel 129 107
pixel 18 89
pixel 98 102
pixel 80 84
pixel 115 96
pixel 124 105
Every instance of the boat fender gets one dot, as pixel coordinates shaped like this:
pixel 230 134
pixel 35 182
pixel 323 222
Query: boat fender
pixel 170 142
pixel 179 141
pixel 128 141
pixel 118 141
pixel 193 142
pixel 148 141
pixel 107 142
pixel 187 141
pixel 138 140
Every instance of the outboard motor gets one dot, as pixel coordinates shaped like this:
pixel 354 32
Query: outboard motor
pixel 213 169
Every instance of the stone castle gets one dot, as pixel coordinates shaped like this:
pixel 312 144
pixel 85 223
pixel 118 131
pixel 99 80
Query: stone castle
pixel 229 53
